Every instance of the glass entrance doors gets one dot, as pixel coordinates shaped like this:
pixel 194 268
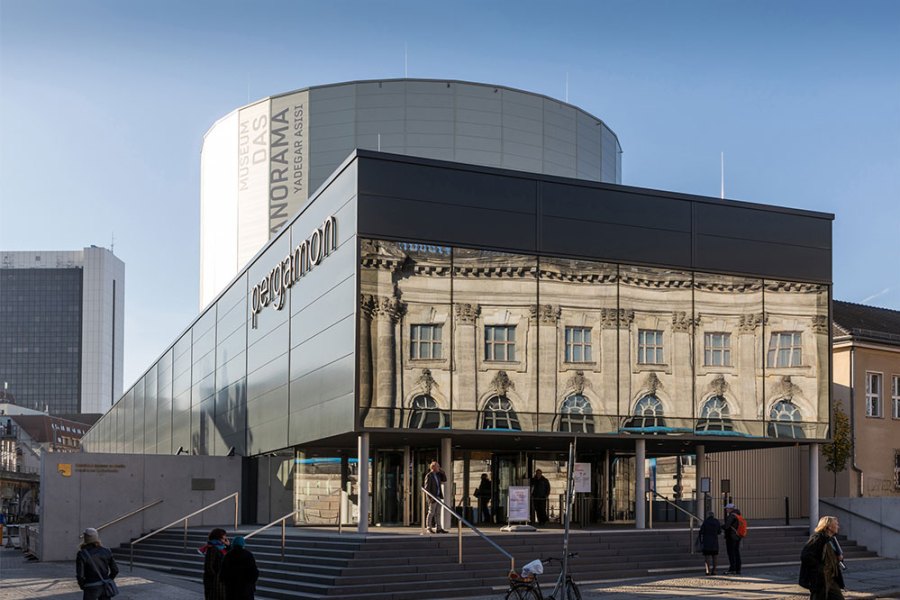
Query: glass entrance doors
pixel 388 487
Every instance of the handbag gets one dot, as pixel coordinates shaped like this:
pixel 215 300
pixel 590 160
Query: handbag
pixel 110 588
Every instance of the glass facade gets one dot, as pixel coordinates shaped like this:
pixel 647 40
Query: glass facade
pixel 540 344
pixel 40 337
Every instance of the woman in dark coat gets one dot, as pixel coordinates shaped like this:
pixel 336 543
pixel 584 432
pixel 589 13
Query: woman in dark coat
pixel 93 564
pixel 239 572
pixel 820 570
pixel 214 551
pixel 709 541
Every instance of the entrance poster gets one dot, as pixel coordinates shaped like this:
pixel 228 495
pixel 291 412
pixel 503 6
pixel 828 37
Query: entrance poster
pixel 519 499
pixel 582 476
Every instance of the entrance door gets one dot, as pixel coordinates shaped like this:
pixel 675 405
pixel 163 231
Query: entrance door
pixel 506 470
pixel 621 499
pixel 388 509
pixel 421 459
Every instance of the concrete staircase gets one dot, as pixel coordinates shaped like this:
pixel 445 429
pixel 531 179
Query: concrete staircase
pixel 410 567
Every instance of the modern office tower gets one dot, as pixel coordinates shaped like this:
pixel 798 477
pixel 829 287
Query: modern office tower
pixel 260 162
pixel 61 329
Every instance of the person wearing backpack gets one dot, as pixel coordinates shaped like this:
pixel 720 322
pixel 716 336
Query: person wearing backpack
pixel 735 527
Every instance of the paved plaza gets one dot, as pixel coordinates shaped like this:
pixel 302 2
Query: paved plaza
pixel 21 579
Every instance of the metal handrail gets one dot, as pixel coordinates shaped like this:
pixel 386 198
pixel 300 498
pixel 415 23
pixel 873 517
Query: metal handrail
pixel 460 521
pixel 184 519
pixel 283 521
pixel 132 513
pixel 693 517
pixel 856 514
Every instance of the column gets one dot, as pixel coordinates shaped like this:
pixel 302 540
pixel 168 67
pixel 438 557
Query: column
pixel 813 487
pixel 387 313
pixel 640 500
pixel 447 464
pixel 700 507
pixel 363 482
pixel 465 349
pixel 366 307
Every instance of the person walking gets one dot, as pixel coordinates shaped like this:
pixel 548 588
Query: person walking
pixel 94 567
pixel 433 485
pixel 239 572
pixel 820 570
pixel 213 552
pixel 732 539
pixel 709 541
pixel 483 494
pixel 540 492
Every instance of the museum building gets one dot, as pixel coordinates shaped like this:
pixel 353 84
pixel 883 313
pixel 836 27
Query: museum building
pixel 417 309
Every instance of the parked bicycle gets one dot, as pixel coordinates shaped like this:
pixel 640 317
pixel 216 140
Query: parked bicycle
pixel 528 588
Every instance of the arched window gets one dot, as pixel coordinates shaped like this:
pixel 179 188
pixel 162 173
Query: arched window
pixel 715 415
pixel 499 414
pixel 425 414
pixel 576 415
pixel 784 420
pixel 648 413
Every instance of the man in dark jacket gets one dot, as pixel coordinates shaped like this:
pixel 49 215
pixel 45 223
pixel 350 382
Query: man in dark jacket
pixel 709 541
pixel 239 572
pixel 484 493
pixel 213 554
pixel 433 482
pixel 732 539
pixel 94 563
pixel 540 491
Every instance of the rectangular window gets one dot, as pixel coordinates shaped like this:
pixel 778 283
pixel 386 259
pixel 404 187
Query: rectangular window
pixel 895 396
pixel 578 344
pixel 717 349
pixel 425 342
pixel 500 342
pixel 873 394
pixel 650 347
pixel 784 349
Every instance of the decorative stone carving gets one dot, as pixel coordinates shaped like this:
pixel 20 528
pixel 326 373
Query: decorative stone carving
pixel 750 323
pixel 501 383
pixel 578 382
pixel 820 324
pixel 788 388
pixel 467 314
pixel 611 318
pixel 718 386
pixel 682 321
pixel 546 314
pixel 388 306
pixel 367 305
pixel 426 381
pixel 652 383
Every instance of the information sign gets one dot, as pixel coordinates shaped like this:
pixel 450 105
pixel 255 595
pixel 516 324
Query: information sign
pixel 519 503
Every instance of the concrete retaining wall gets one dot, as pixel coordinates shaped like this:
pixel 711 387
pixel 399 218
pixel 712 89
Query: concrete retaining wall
pixel 885 511
pixel 87 490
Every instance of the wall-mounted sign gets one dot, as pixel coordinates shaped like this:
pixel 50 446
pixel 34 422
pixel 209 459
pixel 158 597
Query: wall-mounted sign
pixel 582 476
pixel 272 289
pixel 64 469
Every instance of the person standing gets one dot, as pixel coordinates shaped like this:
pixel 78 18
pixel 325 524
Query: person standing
pixel 484 493
pixel 214 551
pixel 732 539
pixel 709 541
pixel 540 492
pixel 433 485
pixel 820 570
pixel 239 572
pixel 94 565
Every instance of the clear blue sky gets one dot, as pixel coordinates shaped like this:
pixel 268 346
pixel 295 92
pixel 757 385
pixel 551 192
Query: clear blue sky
pixel 103 106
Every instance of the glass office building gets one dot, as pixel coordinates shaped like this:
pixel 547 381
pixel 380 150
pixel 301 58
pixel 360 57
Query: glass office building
pixel 260 163
pixel 417 309
pixel 61 329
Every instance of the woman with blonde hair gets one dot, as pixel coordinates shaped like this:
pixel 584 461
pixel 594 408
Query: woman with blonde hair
pixel 820 570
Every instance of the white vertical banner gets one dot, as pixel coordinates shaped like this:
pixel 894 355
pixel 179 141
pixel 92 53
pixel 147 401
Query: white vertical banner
pixel 253 177
pixel 289 158
pixel 519 503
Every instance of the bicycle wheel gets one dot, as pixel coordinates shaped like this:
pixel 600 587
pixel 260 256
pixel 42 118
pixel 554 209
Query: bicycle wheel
pixel 572 591
pixel 522 592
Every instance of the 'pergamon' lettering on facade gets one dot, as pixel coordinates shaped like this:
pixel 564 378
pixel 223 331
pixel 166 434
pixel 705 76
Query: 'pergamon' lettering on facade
pixel 252 145
pixel 272 289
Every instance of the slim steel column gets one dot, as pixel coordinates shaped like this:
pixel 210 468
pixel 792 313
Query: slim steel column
pixel 640 495
pixel 363 483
